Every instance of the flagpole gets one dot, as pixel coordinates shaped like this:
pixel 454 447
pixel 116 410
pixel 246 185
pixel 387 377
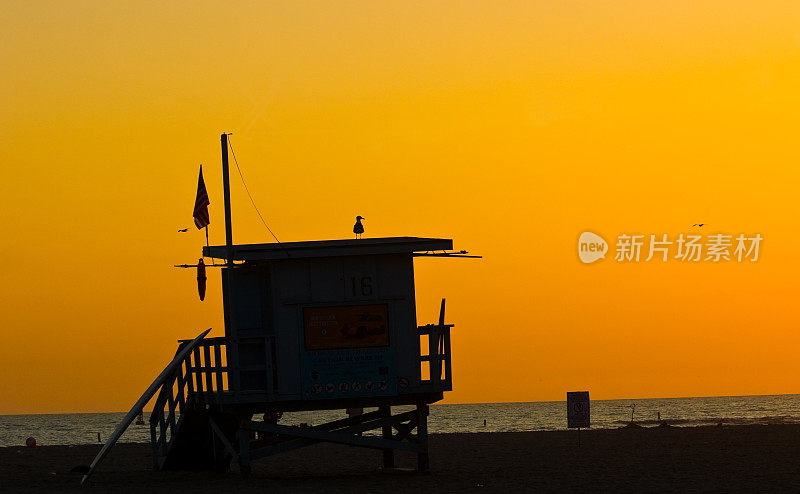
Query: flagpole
pixel 209 246
pixel 226 189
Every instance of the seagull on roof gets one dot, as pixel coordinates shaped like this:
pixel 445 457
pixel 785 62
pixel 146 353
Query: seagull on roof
pixel 358 228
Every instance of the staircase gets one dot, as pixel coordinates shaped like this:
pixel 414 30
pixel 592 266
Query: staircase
pixel 188 429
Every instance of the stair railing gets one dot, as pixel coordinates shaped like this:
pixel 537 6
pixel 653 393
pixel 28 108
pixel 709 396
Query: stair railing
pixel 199 381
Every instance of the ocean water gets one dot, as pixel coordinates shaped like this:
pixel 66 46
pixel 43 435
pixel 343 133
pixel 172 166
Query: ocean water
pixel 82 428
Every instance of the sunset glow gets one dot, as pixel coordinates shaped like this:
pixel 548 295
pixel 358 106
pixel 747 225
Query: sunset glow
pixel 509 127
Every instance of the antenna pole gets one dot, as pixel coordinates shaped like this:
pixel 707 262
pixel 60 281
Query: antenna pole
pixel 226 188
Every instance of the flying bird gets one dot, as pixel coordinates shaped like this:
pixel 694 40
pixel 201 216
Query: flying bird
pixel 183 230
pixel 699 224
pixel 358 228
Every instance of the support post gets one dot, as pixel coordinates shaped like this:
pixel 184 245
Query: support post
pixel 423 462
pixel 226 190
pixel 154 446
pixel 386 433
pixel 244 446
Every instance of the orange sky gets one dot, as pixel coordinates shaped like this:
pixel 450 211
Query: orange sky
pixel 509 126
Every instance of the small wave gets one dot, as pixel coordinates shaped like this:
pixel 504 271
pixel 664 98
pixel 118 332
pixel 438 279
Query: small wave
pixel 654 422
pixel 766 420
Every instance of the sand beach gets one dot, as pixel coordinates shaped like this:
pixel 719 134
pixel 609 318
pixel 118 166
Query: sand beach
pixel 676 459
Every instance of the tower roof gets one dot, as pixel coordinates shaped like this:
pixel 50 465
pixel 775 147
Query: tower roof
pixel 330 248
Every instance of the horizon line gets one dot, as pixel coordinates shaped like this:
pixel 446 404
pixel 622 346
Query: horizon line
pixel 470 403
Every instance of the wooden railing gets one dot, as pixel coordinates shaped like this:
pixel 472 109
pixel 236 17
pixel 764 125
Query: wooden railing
pixel 440 376
pixel 438 357
pixel 199 381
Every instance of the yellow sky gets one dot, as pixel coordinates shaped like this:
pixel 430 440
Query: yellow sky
pixel 509 126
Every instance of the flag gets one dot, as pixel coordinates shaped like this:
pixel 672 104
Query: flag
pixel 201 203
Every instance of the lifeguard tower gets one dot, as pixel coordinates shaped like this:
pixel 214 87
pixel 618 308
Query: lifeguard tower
pixel 316 325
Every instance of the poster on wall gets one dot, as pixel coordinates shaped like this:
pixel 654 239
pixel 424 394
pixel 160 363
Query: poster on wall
pixel 347 352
